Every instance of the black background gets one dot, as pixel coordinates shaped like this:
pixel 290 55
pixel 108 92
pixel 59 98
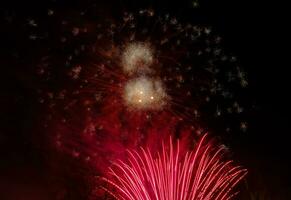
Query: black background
pixel 255 31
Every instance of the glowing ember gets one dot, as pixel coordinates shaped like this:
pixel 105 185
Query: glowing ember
pixel 196 175
pixel 137 57
pixel 145 93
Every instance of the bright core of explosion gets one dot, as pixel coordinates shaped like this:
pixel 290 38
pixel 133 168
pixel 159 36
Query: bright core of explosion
pixel 145 93
pixel 137 57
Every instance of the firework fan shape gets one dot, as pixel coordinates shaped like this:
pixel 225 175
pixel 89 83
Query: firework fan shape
pixel 200 174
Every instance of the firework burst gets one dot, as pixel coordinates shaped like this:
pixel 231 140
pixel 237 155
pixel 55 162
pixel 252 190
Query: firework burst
pixel 108 85
pixel 183 67
pixel 201 174
pixel 137 57
pixel 145 93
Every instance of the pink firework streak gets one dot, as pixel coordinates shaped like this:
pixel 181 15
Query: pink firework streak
pixel 201 174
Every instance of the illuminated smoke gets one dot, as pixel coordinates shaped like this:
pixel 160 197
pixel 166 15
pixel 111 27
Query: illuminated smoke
pixel 145 93
pixel 201 174
pixel 137 57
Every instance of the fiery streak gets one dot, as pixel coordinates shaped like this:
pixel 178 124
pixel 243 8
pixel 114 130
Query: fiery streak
pixel 200 174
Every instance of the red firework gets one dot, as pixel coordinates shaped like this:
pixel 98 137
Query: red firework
pixel 200 174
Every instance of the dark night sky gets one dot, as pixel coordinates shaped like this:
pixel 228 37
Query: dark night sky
pixel 252 30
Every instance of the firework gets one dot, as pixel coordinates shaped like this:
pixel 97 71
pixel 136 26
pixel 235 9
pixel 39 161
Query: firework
pixel 201 174
pixel 145 93
pixel 181 68
pixel 137 57
pixel 109 84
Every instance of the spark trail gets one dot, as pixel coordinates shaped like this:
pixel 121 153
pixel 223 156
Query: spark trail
pixel 200 174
